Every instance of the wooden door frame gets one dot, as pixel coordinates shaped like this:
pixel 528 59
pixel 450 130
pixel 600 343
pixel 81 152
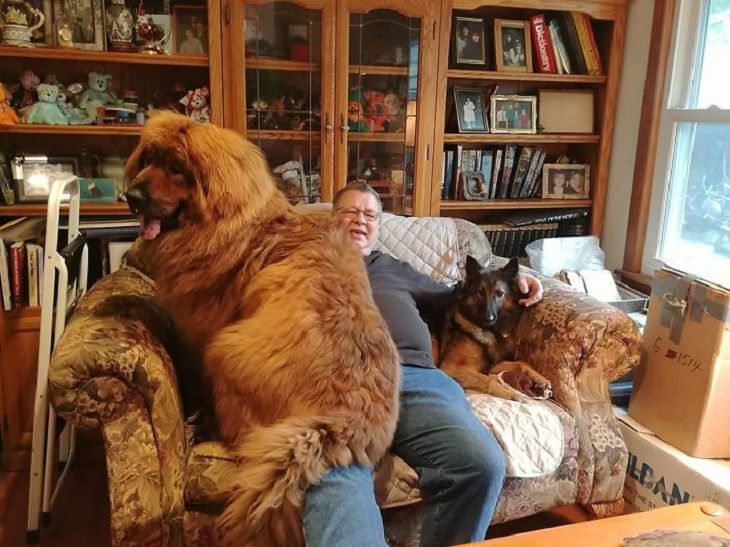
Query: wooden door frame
pixel 425 10
pixel 662 34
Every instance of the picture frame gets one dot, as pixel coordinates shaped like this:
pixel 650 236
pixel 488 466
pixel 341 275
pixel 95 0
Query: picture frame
pixel 513 114
pixel 512 47
pixel 474 186
pixel 33 175
pixel 469 41
pixel 189 30
pixel 470 110
pixel 566 181
pixel 82 22
pixel 97 190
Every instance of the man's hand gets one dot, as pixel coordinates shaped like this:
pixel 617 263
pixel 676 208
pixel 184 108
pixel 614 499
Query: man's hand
pixel 531 287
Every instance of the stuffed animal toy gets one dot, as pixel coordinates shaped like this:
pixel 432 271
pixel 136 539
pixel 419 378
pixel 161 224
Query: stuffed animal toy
pixel 394 107
pixel 8 116
pixel 46 110
pixel 355 114
pixel 376 114
pixel 24 92
pixel 98 94
pixel 75 116
pixel 196 104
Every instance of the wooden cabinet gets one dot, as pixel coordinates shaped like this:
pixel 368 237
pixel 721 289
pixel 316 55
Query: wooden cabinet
pixel 336 91
pixel 19 335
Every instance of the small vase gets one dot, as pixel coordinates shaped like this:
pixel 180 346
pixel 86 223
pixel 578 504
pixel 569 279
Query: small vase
pixel 119 26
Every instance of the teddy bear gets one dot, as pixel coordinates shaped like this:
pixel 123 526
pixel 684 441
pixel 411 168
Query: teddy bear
pixel 394 107
pixel 75 116
pixel 8 116
pixel 376 113
pixel 98 94
pixel 196 104
pixel 46 110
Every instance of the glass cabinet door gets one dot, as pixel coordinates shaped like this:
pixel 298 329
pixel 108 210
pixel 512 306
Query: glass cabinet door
pixel 384 54
pixel 284 77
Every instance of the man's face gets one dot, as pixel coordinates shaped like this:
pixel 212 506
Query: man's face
pixel 360 216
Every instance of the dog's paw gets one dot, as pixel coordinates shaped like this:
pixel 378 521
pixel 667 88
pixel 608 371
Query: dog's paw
pixel 525 379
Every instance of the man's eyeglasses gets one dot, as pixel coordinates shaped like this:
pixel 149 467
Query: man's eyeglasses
pixel 351 212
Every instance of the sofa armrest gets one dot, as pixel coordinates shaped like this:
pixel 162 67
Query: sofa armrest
pixel 110 370
pixel 577 342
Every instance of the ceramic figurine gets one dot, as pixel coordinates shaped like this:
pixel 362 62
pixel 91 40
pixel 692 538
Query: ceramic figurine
pixel 97 94
pixel 150 36
pixel 196 104
pixel 18 21
pixel 394 106
pixel 8 115
pixel 119 26
pixel 46 110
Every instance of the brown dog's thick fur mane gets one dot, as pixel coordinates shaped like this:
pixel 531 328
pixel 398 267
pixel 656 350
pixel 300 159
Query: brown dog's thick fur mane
pixel 277 304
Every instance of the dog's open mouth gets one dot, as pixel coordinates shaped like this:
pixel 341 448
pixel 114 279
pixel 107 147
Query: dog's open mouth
pixel 152 226
pixel 149 228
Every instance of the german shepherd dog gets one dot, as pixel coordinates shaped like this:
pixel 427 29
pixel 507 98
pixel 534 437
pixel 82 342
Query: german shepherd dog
pixel 476 340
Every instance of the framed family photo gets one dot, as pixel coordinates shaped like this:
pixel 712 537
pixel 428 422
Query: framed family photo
pixel 189 30
pixel 566 181
pixel 469 41
pixel 470 110
pixel 512 45
pixel 513 114
pixel 80 22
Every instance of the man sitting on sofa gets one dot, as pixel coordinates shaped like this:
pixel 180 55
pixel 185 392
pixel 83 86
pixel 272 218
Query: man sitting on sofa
pixel 459 463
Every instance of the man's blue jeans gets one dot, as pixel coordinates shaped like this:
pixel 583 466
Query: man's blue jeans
pixel 460 465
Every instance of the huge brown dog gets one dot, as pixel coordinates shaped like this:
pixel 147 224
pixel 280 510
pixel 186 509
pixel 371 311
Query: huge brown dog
pixel 303 371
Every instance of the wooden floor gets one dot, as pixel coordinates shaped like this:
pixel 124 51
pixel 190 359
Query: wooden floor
pixel 81 514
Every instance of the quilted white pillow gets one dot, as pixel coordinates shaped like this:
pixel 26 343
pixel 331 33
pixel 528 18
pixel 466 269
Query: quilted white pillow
pixel 428 244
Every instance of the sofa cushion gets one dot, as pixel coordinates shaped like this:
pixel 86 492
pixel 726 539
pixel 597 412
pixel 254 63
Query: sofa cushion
pixel 526 431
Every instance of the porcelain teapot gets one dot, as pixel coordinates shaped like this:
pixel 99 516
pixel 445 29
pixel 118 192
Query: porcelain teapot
pixel 18 21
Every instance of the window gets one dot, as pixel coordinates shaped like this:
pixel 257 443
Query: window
pixel 689 219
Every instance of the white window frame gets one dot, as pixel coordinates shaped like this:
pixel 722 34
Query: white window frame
pixel 684 56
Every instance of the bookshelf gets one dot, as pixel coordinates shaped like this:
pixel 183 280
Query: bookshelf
pixel 607 19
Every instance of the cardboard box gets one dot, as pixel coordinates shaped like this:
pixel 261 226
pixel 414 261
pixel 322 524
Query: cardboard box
pixel 566 110
pixel 659 475
pixel 682 387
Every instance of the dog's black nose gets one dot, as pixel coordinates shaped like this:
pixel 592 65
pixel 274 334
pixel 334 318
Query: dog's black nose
pixel 136 199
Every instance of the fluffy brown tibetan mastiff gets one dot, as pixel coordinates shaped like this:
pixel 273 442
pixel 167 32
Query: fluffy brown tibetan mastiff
pixel 277 304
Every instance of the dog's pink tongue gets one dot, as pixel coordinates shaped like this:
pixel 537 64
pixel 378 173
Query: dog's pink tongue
pixel 149 229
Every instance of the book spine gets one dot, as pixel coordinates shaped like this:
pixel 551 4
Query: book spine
pixel 573 43
pixel 496 172
pixel 5 277
pixel 594 45
pixel 509 160
pixel 585 43
pixel 32 264
pixel 560 51
pixel 17 274
pixel 543 44
pixel 521 172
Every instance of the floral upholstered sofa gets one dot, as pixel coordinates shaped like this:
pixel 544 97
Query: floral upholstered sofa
pixel 111 371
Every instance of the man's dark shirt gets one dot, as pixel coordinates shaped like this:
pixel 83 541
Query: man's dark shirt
pixel 403 297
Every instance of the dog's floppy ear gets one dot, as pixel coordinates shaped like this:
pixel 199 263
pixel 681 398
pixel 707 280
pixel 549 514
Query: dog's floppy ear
pixel 473 268
pixel 511 269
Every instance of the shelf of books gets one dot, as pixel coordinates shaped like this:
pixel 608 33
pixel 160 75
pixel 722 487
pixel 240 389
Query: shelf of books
pixel 22 256
pixel 526 98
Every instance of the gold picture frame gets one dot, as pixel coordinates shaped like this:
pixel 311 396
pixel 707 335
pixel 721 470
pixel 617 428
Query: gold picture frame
pixel 513 114
pixel 512 47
